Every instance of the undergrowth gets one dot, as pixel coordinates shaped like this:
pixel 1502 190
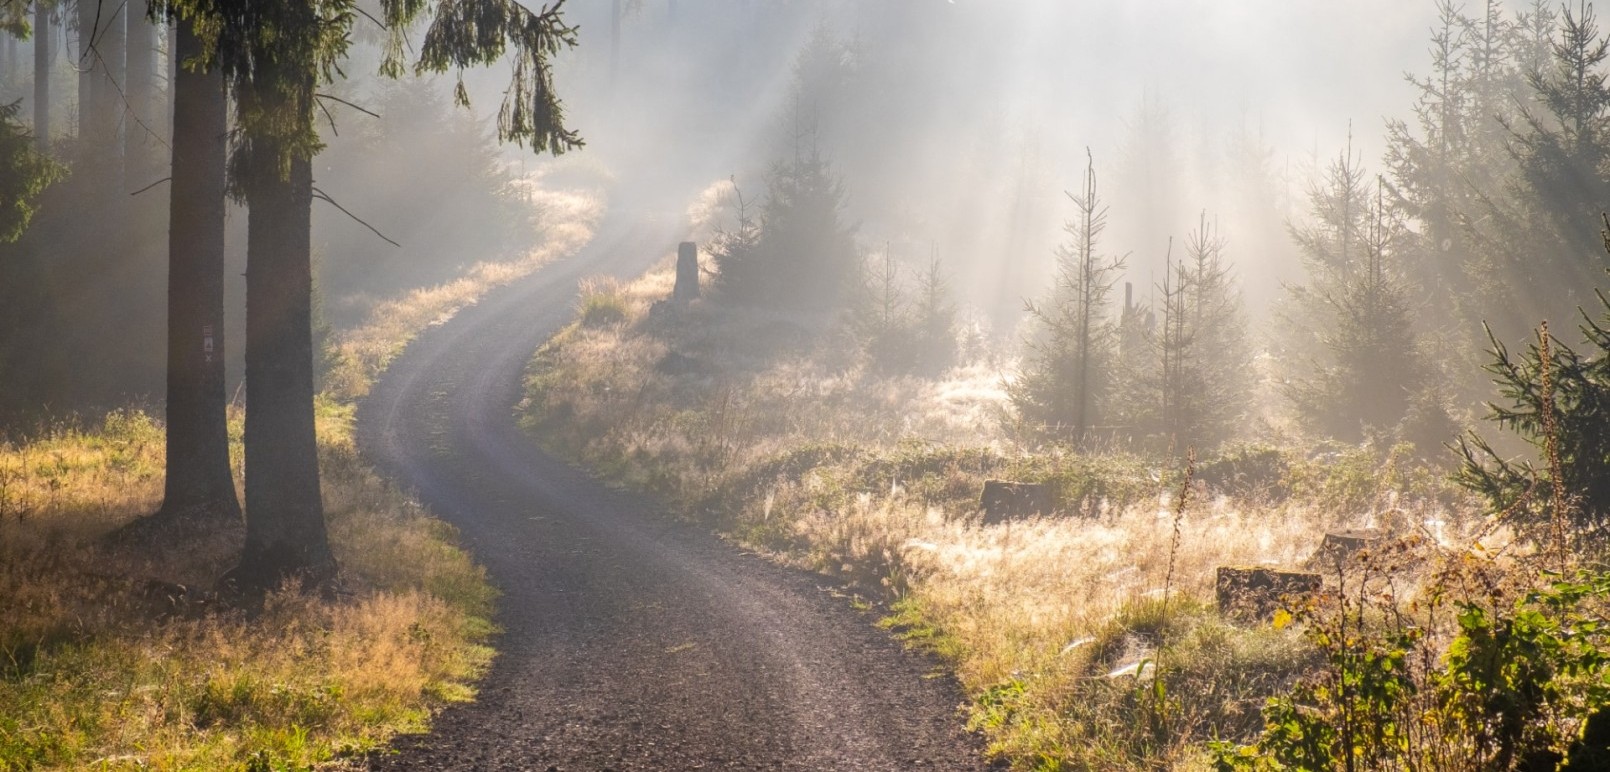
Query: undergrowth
pixel 118 656
pixel 115 656
pixel 773 428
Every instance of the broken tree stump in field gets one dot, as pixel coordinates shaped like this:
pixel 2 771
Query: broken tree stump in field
pixel 1003 500
pixel 1341 549
pixel 1253 594
pixel 687 272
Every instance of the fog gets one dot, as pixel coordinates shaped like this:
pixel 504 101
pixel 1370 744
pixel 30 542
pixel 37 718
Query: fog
pixel 971 119
pixel 957 128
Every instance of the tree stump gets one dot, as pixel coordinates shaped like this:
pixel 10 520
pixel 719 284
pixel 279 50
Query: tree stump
pixel 687 272
pixel 1003 500
pixel 1341 549
pixel 1250 594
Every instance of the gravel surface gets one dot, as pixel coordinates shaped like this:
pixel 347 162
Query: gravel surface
pixel 630 643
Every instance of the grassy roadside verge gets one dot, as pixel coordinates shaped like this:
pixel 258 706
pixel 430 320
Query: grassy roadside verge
pixel 116 657
pixel 770 429
pixel 361 354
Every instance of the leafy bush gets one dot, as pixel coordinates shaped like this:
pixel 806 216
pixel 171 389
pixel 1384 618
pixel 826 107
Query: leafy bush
pixel 1516 687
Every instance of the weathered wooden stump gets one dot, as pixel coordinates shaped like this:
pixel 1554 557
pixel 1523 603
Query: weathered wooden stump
pixel 1252 594
pixel 687 272
pixel 677 363
pixel 1339 550
pixel 1003 500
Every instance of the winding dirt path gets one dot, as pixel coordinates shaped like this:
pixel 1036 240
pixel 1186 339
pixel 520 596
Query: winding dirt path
pixel 629 643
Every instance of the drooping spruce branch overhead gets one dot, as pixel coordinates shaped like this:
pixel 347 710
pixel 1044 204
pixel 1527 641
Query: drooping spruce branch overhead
pixel 275 55
pixel 468 33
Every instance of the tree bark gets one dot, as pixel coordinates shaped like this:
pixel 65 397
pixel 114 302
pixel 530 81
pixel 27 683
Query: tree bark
pixel 285 531
pixel 41 77
pixel 199 481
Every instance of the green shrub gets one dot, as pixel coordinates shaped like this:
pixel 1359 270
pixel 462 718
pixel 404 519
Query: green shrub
pixel 1516 687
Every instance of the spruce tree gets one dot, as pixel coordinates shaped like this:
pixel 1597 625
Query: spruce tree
pixel 1563 421
pixel 1216 368
pixel 1426 160
pixel 1062 386
pixel 24 174
pixel 808 251
pixel 1332 241
pixel 274 54
pixel 740 276
pixel 934 321
pixel 1562 147
pixel 1192 385
pixel 907 331
pixel 882 320
pixel 1365 367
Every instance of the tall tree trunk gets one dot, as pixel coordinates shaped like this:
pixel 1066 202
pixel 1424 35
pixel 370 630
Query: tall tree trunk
pixel 89 68
pixel 285 532
pixel 112 110
pixel 171 65
pixel 199 482
pixel 101 45
pixel 42 77
pixel 139 124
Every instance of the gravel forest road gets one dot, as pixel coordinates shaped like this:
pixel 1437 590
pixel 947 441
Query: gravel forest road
pixel 629 643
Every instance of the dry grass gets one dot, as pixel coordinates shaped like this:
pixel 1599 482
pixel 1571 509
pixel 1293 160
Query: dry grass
pixel 109 660
pixel 363 353
pixel 774 430
pixel 115 657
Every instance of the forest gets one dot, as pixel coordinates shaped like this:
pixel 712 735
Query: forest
pixel 1169 387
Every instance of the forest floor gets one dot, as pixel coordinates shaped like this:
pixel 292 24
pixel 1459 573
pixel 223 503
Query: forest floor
pixel 629 641
pixel 115 655
pixel 118 655
pixel 775 430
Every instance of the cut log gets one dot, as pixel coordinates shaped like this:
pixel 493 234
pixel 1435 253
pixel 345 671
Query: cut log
pixel 1339 550
pixel 1252 594
pixel 1003 500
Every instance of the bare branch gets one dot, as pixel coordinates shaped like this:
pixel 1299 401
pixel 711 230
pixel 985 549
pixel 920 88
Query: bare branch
pixel 325 197
pixel 152 185
pixel 334 98
pixel 327 116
